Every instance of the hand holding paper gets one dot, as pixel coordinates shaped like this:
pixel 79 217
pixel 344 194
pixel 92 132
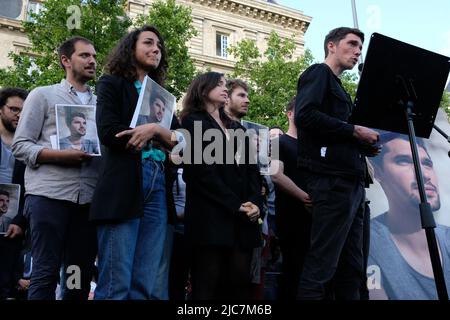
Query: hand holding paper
pixel 140 135
pixel 252 211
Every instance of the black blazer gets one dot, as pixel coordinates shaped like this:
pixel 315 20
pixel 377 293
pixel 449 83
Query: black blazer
pixel 118 194
pixel 214 194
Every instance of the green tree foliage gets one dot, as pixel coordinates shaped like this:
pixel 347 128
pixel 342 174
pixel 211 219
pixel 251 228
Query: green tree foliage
pixel 103 22
pixel 176 26
pixel 445 103
pixel 272 77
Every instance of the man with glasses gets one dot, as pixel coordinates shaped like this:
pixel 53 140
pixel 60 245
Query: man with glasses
pixel 11 103
pixel 11 171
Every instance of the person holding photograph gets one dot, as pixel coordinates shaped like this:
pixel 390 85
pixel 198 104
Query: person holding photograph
pixel 76 122
pixel 11 172
pixel 129 205
pixel 11 169
pixel 223 200
pixel 59 183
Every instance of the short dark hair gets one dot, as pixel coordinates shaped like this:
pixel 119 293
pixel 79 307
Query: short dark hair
pixel 155 96
pixel 11 92
pixel 338 34
pixel 67 48
pixel 291 105
pixel 4 192
pixel 232 84
pixel 386 137
pixel 71 115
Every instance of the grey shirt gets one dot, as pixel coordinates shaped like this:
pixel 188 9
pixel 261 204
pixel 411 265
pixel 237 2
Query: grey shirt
pixel 399 280
pixel 6 164
pixel 5 221
pixel 37 123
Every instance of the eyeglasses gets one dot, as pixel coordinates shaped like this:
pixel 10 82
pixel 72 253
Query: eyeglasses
pixel 14 110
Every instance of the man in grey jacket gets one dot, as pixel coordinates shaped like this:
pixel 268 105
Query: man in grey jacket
pixel 59 183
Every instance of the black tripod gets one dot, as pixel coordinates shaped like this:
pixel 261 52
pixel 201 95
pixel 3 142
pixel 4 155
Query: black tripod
pixel 426 214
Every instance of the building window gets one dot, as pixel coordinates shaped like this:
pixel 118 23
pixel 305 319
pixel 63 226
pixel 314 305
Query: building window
pixel 222 45
pixel 33 7
pixel 10 8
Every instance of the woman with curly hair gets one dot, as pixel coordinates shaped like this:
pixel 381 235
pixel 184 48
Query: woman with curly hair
pixel 129 204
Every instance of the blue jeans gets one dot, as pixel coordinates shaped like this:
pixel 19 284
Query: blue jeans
pixel 130 251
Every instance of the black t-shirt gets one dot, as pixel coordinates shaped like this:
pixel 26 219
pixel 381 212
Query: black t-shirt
pixel 284 203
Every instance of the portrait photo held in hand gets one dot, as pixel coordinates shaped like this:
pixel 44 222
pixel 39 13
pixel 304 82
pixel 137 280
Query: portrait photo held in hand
pixel 259 148
pixel 76 128
pixel 155 105
pixel 9 204
pixel 399 265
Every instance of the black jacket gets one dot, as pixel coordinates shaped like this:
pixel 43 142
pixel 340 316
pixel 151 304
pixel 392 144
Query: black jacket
pixel 118 194
pixel 214 193
pixel 325 140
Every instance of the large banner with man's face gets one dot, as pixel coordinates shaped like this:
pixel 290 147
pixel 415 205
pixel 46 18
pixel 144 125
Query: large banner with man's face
pixel 399 265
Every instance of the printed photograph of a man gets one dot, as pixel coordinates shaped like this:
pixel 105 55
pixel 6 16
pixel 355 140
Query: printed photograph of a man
pixel 259 135
pixel 398 245
pixel 155 105
pixel 157 108
pixel 9 204
pixel 76 129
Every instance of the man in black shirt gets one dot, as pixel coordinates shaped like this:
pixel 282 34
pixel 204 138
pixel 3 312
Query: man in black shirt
pixel 333 167
pixel 293 220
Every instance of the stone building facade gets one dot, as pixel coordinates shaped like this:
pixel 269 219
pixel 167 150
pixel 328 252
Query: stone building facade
pixel 220 23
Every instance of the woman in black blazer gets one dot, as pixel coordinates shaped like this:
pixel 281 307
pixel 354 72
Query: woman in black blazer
pixel 223 199
pixel 129 203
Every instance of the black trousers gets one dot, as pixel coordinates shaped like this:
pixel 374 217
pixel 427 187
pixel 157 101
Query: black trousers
pixel 220 273
pixel 9 256
pixel 334 263
pixel 179 268
pixel 294 233
pixel 364 291
pixel 61 235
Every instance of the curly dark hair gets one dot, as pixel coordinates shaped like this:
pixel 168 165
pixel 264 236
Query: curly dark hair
pixel 122 61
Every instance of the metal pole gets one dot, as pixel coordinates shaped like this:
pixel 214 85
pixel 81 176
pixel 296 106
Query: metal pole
pixel 355 23
pixel 355 15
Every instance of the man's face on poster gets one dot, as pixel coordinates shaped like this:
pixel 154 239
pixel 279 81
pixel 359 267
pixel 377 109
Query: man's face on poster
pixel 4 204
pixel 397 175
pixel 158 109
pixel 78 127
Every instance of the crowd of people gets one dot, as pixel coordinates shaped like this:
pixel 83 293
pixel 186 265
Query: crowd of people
pixel 144 228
